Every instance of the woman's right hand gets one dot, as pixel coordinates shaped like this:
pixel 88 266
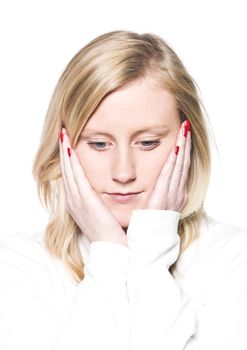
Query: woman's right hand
pixel 82 202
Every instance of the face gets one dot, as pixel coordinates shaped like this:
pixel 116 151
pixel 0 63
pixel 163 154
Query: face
pixel 125 144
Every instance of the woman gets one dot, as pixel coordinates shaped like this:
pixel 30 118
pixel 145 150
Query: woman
pixel 129 259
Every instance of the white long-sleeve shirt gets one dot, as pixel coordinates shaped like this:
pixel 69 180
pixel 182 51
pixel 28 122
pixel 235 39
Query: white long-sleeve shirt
pixel 128 300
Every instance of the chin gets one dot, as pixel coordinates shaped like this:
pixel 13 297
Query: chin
pixel 122 215
pixel 123 212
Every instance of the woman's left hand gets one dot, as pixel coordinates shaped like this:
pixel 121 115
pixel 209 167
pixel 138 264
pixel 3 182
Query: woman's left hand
pixel 170 191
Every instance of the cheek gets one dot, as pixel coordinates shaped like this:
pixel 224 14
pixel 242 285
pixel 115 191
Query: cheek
pixel 150 168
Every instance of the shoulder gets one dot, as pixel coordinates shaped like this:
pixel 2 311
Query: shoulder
pixel 212 271
pixel 24 257
pixel 30 275
pixel 218 237
pixel 219 246
pixel 21 246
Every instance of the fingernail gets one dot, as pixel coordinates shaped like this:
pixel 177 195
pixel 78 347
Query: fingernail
pixel 61 136
pixel 186 127
pixel 176 150
pixel 69 151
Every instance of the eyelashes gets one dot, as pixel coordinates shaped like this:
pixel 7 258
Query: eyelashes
pixel 146 145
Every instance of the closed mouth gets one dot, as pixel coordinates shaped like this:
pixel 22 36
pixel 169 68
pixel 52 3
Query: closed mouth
pixel 123 197
pixel 123 194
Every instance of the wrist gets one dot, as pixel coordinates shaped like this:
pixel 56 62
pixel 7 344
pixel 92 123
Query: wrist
pixel 153 236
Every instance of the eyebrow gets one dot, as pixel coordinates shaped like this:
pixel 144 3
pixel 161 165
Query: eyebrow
pixel 137 132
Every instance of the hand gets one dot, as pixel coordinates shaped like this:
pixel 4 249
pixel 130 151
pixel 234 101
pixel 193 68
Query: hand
pixel 82 202
pixel 170 191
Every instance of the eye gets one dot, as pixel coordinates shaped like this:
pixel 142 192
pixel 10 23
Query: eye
pixel 148 145
pixel 101 146
pixel 98 146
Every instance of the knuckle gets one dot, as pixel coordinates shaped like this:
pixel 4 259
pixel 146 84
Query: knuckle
pixel 187 165
pixel 168 178
pixel 178 172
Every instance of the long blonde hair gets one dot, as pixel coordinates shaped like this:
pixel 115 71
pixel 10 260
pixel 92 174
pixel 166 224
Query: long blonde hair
pixel 105 64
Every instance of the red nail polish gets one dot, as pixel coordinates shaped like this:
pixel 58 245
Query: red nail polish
pixel 186 127
pixel 69 151
pixel 176 150
pixel 187 123
pixel 61 136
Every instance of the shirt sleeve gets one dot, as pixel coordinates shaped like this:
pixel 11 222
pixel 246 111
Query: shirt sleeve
pixel 99 315
pixel 162 316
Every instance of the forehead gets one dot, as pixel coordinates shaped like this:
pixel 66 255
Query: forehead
pixel 136 105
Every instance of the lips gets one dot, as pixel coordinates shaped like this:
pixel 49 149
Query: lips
pixel 123 197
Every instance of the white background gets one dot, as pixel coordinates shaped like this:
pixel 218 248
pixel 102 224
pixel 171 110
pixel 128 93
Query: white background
pixel 38 38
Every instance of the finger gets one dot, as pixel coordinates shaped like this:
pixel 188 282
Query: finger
pixel 60 152
pixel 178 169
pixel 69 183
pixel 82 183
pixel 166 172
pixel 77 181
pixel 160 192
pixel 64 178
pixel 168 167
pixel 88 196
pixel 158 197
pixel 76 177
pixel 186 165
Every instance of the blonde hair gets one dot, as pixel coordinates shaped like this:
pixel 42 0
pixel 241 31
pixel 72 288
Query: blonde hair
pixel 105 64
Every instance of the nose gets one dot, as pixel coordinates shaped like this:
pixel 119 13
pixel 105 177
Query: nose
pixel 123 167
